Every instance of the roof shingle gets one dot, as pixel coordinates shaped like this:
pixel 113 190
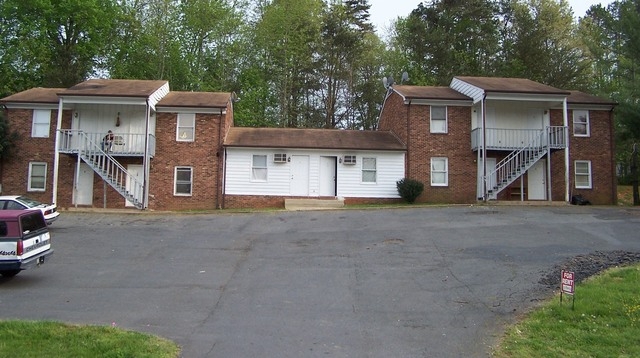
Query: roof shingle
pixel 34 95
pixel 312 139
pixel 511 85
pixel 195 99
pixel 114 88
pixel 423 92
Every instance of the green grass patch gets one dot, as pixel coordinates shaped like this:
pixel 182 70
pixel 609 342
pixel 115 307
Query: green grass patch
pixel 605 321
pixel 54 339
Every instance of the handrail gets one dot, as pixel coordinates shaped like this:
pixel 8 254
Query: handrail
pixel 107 167
pixel 123 143
pixel 512 139
pixel 518 161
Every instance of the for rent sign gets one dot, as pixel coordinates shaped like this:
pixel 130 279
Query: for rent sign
pixel 568 282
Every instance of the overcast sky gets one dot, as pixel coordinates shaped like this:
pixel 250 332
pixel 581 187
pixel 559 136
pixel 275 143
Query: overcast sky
pixel 384 11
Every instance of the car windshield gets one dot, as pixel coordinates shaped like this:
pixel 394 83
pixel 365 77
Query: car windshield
pixel 29 202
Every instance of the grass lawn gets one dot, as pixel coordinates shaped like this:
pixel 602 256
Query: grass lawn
pixel 604 323
pixel 59 340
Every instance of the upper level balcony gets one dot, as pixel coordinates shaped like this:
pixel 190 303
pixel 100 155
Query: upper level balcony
pixel 553 137
pixel 123 144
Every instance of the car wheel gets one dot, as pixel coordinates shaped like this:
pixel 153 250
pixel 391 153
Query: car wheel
pixel 9 273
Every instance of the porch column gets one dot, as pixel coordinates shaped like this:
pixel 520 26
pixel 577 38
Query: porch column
pixel 56 158
pixel 567 182
pixel 146 162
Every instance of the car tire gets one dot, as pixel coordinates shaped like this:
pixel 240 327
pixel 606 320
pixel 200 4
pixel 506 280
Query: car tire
pixel 9 273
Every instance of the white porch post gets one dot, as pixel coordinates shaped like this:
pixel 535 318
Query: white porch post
pixel 56 158
pixel 567 183
pixel 485 196
pixel 146 160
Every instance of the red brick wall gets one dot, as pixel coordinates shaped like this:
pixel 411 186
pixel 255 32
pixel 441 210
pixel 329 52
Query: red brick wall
pixel 411 124
pixel 15 169
pixel 264 202
pixel 599 149
pixel 204 155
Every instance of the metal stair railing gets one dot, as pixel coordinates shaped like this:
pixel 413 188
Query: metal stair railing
pixel 111 171
pixel 517 163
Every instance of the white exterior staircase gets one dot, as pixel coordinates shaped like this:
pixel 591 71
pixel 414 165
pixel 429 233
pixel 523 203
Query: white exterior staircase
pixel 111 171
pixel 513 166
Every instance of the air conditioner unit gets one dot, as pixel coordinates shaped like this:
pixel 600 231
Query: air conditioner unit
pixel 280 158
pixel 349 160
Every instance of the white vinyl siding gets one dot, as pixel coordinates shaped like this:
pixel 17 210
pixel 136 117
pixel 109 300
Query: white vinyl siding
pixel 583 174
pixel 438 122
pixel 186 127
pixel 581 123
pixel 238 174
pixel 37 176
pixel 439 172
pixel 41 123
pixel 183 181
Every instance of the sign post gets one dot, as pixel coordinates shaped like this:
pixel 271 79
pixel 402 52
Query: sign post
pixel 567 285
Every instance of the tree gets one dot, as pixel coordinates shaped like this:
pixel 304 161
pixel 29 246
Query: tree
pixel 540 43
pixel 444 38
pixel 54 43
pixel 287 36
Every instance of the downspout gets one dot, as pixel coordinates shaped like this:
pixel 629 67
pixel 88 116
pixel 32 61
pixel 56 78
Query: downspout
pixel 56 158
pixel 146 162
pixel 565 116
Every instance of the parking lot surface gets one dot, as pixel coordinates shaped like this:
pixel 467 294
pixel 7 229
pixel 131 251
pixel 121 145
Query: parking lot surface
pixel 418 282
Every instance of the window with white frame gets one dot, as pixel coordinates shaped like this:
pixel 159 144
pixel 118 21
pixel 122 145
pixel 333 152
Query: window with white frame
pixel 439 172
pixel 183 181
pixel 186 127
pixel 259 168
pixel 41 123
pixel 438 119
pixel 369 172
pixel 37 176
pixel 581 123
pixel 583 174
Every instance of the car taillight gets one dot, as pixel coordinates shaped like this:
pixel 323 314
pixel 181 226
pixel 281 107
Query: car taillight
pixel 47 212
pixel 20 248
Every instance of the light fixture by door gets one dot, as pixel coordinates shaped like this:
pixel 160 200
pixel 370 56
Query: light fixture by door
pixel 118 120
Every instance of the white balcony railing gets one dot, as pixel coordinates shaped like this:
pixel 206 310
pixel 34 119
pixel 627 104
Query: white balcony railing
pixel 512 139
pixel 123 143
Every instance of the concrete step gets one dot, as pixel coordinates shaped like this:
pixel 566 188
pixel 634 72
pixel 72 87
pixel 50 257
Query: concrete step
pixel 313 204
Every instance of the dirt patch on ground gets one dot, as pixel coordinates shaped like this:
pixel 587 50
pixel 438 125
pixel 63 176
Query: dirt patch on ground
pixel 585 266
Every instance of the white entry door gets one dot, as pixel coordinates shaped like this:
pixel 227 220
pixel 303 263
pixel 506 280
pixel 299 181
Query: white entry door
pixel 536 181
pixel 327 176
pixel 135 171
pixel 299 175
pixel 83 193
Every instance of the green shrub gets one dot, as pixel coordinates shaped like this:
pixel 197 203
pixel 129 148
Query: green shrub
pixel 409 189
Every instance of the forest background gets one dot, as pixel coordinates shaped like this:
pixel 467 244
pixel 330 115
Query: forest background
pixel 320 63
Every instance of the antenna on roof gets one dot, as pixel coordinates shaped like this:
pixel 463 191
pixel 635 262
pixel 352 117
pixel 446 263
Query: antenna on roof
pixel 405 77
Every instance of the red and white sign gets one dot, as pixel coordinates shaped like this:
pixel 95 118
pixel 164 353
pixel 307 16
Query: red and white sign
pixel 568 282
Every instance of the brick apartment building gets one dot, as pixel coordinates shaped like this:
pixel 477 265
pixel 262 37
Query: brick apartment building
pixel 504 138
pixel 180 151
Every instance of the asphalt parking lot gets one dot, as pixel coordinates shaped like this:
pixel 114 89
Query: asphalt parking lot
pixel 419 282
